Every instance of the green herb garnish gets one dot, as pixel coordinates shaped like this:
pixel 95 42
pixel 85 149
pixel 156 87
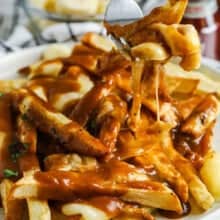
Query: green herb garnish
pixel 10 173
pixel 24 117
pixel 17 149
pixel 93 124
pixel 1 94
pixel 92 127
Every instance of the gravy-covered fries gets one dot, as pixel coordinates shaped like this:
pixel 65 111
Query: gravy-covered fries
pixel 99 134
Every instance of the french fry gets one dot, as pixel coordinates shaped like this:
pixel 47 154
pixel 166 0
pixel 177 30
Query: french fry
pixel 197 188
pixel 209 175
pixel 164 199
pixel 183 85
pixel 37 209
pixel 168 112
pixel 186 107
pixel 122 79
pixel 206 84
pixel 172 83
pixel 202 116
pixel 148 154
pixel 207 141
pixel 187 87
pixel 26 133
pixel 183 41
pixel 152 194
pixel 13 209
pixel 72 136
pixel 138 188
pixel 112 114
pixel 170 13
pixel 111 62
pixel 108 138
pixel 78 8
pixel 166 170
pixel 85 106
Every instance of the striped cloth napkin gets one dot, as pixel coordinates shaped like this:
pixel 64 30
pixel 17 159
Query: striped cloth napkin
pixel 23 38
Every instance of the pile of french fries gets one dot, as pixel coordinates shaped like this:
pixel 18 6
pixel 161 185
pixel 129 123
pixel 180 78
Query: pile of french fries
pixel 72 7
pixel 95 133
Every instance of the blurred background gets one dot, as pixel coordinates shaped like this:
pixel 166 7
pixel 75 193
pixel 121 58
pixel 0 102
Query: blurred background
pixel 26 23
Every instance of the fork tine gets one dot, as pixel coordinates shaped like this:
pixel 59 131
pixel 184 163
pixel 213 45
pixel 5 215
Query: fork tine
pixel 122 11
pixel 117 42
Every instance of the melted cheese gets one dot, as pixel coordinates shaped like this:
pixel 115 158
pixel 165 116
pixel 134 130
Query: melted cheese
pixel 157 81
pixel 88 212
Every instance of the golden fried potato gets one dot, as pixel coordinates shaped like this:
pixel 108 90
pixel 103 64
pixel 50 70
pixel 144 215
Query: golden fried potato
pixel 209 174
pixel 13 209
pixel 202 116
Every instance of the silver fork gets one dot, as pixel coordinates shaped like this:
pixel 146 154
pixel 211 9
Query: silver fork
pixel 122 12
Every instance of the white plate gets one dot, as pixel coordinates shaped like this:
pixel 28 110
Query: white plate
pixel 12 62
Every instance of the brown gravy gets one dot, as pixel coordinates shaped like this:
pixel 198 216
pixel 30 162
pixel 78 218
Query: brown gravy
pixel 6 136
pixel 174 215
